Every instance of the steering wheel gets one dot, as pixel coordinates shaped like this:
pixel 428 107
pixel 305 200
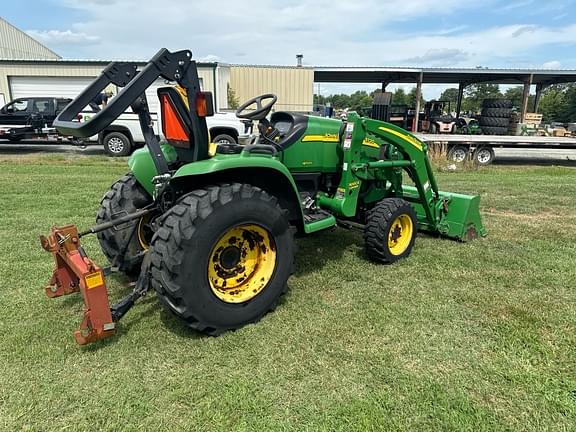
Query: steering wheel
pixel 261 110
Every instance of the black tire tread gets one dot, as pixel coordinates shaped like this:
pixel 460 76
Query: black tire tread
pixel 497 103
pixel 179 224
pixel 126 194
pixel 492 130
pixel 497 112
pixel 494 122
pixel 375 232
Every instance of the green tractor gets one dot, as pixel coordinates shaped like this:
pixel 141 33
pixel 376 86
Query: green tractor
pixel 212 230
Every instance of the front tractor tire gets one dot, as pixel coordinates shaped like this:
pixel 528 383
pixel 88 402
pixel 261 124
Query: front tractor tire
pixel 222 256
pixel 125 246
pixel 390 230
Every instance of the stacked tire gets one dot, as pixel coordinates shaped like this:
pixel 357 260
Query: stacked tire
pixel 495 118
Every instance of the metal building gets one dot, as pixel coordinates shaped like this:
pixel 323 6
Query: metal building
pixel 15 44
pixel 292 85
pixel 27 68
pixel 67 78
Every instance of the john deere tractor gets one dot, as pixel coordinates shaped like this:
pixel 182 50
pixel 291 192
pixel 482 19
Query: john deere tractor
pixel 211 228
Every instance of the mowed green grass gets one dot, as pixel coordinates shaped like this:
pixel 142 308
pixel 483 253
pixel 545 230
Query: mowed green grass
pixel 461 337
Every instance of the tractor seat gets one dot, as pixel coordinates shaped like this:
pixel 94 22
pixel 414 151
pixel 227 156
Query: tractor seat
pixel 291 127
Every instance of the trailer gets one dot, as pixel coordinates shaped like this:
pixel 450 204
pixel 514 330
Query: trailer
pixel 480 148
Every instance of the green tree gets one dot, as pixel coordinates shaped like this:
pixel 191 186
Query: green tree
pixel 450 94
pixel 411 99
pixel 319 100
pixel 476 93
pixel 399 97
pixel 553 104
pixel 340 101
pixel 515 94
pixel 570 103
pixel 360 99
pixel 233 101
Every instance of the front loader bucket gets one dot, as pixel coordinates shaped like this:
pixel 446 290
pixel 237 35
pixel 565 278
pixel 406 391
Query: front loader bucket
pixel 458 215
pixel 462 220
pixel 74 272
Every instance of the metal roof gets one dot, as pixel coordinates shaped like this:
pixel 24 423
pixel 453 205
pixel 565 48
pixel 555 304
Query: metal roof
pixel 14 43
pixel 440 75
pixel 87 62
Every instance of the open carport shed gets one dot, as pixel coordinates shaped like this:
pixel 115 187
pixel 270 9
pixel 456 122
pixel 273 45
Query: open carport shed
pixel 463 77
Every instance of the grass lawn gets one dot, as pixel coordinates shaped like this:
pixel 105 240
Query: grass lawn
pixel 476 336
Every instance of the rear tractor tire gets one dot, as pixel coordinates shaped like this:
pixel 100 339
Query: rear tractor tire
pixel 222 256
pixel 125 246
pixel 390 231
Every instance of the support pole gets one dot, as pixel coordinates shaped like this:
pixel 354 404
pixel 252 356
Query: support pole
pixel 525 96
pixel 461 87
pixel 539 88
pixel 418 97
pixel 384 85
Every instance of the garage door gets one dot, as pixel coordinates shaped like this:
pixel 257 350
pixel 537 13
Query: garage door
pixel 65 87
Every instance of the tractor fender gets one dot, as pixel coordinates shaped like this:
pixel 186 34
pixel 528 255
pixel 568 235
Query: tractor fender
pixel 142 165
pixel 261 171
pixel 264 172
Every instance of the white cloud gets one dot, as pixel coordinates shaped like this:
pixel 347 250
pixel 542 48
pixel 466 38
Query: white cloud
pixel 67 37
pixel 363 32
pixel 439 57
pixel 266 32
pixel 516 5
pixel 553 64
pixel 210 58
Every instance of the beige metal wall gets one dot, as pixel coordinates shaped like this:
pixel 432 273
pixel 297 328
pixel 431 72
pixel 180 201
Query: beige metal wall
pixel 292 85
pixel 70 69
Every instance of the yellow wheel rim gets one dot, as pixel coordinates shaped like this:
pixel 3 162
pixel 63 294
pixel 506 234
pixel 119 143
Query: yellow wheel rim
pixel 400 234
pixel 144 236
pixel 241 263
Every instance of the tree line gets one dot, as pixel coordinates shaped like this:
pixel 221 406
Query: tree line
pixel 558 102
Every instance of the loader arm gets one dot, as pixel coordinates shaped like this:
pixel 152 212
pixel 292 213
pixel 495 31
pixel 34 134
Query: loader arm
pixel 420 170
pixel 449 214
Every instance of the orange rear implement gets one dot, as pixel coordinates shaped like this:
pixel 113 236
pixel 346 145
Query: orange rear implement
pixel 73 272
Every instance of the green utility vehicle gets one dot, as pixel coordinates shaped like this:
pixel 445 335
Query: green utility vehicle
pixel 213 231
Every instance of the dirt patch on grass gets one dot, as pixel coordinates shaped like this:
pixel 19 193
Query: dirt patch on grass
pixel 528 217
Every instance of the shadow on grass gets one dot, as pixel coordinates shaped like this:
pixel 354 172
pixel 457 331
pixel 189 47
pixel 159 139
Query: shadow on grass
pixel 316 250
pixel 313 253
pixel 178 326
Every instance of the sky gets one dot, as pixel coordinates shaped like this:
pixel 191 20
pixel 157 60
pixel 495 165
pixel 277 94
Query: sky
pixel 425 33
